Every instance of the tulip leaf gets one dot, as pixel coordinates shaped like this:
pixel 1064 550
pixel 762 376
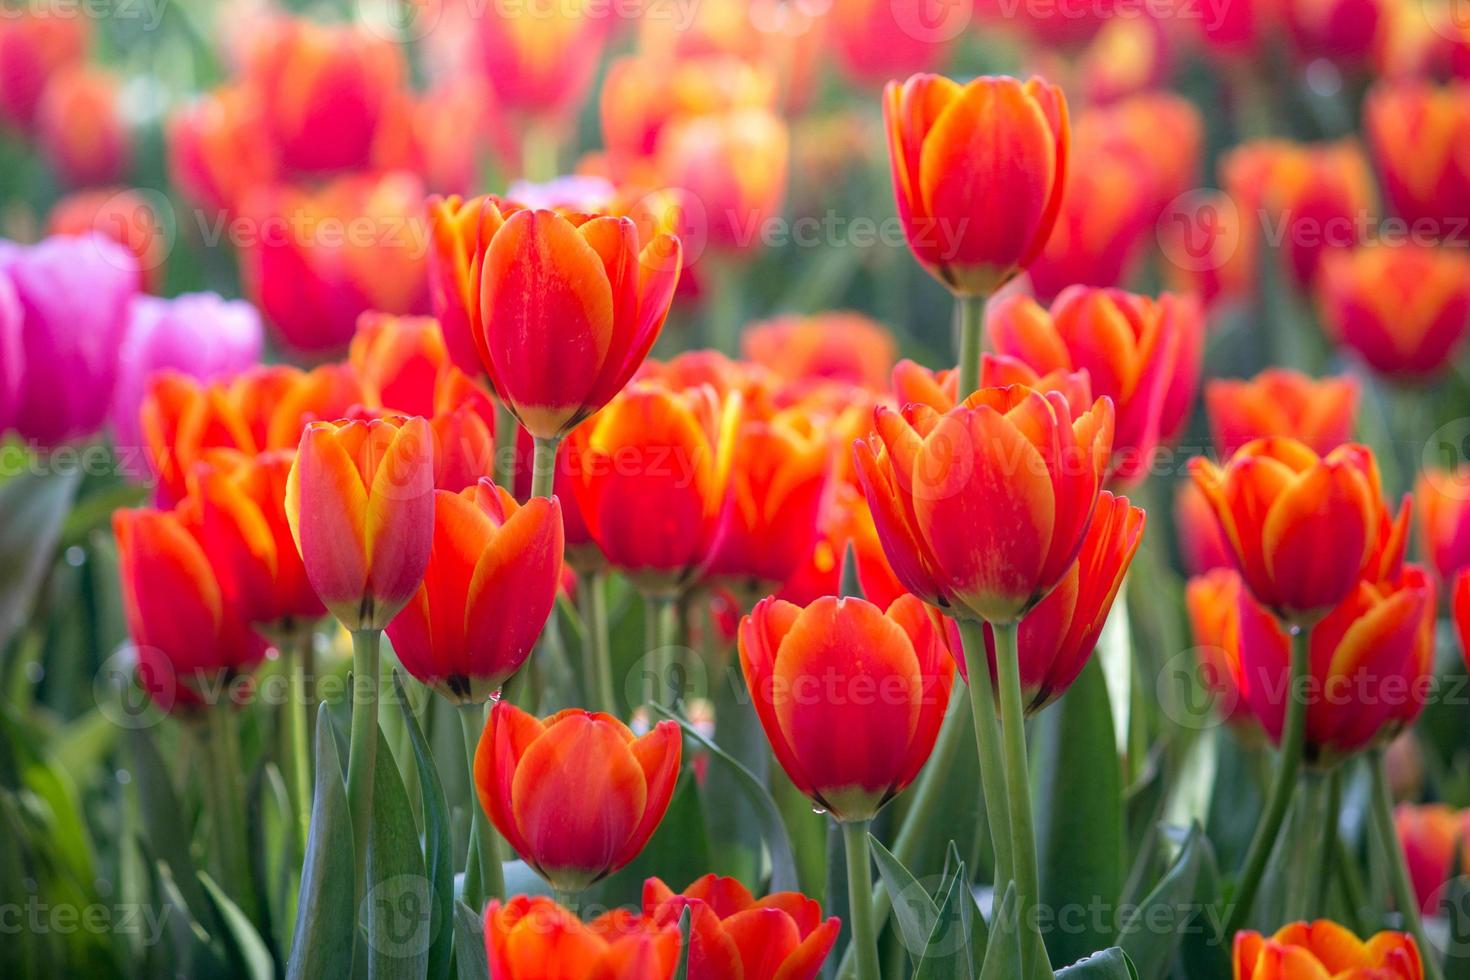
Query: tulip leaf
pixel 835 897
pixel 915 911
pixel 396 909
pixel 438 841
pixel 34 504
pixel 321 944
pixel 1003 955
pixel 191 942
pixel 1110 964
pixel 1079 814
pixel 470 961
pixel 948 953
pixel 1148 945
pixel 783 862
pixel 241 937
pixel 163 823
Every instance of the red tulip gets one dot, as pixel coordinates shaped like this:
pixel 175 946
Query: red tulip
pixel 1213 603
pixel 577 795
pixel 1433 837
pixel 1460 611
pixel 80 129
pixel 488 590
pixel 1443 499
pixel 1281 402
pixel 1308 950
pixel 1201 544
pixel 1419 134
pixel 36 43
pixel 535 939
pixel 851 698
pixel 838 346
pixel 219 148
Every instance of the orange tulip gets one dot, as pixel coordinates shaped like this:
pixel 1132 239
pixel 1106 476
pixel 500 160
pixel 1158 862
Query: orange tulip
pixel 1419 134
pixel 837 346
pixel 938 389
pixel 1443 510
pixel 576 795
pixel 982 510
pixel 80 130
pixel 535 939
pixel 851 698
pixel 778 476
pixel 1433 837
pixel 562 309
pixel 732 166
pixel 1403 308
pixel 978 171
pixel 489 587
pixel 652 473
pixel 219 148
pixel 34 45
pixel 539 58
pixel 464 432
pixel 124 215
pixel 1306 950
pixel 1197 531
pixel 1281 402
pixel 1371 664
pixel 1057 637
pixel 399 360
pixel 734 936
pixel 191 631
pixel 1133 348
pixel 360 503
pixel 1213 603
pixel 1300 527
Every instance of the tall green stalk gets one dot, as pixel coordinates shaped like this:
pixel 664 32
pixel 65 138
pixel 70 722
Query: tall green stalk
pixel 227 807
pixel 1310 860
pixel 597 648
pixel 860 898
pixel 971 313
pixel 362 751
pixel 988 744
pixel 484 878
pixel 1398 869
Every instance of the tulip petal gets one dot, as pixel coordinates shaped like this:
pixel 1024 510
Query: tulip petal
pixel 326 507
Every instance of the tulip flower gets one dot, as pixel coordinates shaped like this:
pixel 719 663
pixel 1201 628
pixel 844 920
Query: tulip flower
pixel 937 389
pixel 1416 130
pixel 1282 402
pixel 978 171
pixel 129 217
pixel 1443 511
pixel 733 166
pixel 983 510
pixel 1433 837
pixel 80 129
pixel 197 334
pixel 73 296
pixel 837 346
pixel 876 40
pixel 1133 349
pixel 219 148
pixel 489 587
pixel 733 934
pixel 530 938
pixel 464 448
pixel 1325 949
pixel 35 44
pixel 778 476
pixel 596 304
pixel 1346 32
pixel 1300 527
pixel 844 523
pixel 1370 664
pixel 1460 611
pixel 576 794
pixel 1197 532
pixel 1057 637
pixel 539 59
pixel 191 632
pixel 1213 603
pixel 1403 309
pixel 399 360
pixel 653 470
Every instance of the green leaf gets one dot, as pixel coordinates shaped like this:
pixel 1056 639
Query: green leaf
pixel 248 948
pixel 438 840
pixel 1003 957
pixel 34 505
pixel 915 911
pixel 396 908
pixel 783 862
pixel 190 941
pixel 321 944
pixel 1148 945
pixel 469 944
pixel 1079 814
pixel 1110 964
pixel 948 954
pixel 164 826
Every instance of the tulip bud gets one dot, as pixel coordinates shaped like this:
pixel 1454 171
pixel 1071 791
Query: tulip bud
pixel 80 130
pixel 1443 508
pixel 1281 402
pixel 1416 130
pixel 1433 837
pixel 535 939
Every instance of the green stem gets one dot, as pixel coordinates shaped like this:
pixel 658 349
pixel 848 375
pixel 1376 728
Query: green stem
pixel 1398 869
pixel 539 152
pixel 483 876
pixel 971 313
pixel 227 806
pixel 860 898
pixel 1018 789
pixel 1331 807
pixel 988 744
pixel 1278 802
pixel 1308 864
pixel 506 430
pixel 298 756
pixel 660 625
pixel 1353 894
pixel 543 471
pixel 362 751
pixel 597 649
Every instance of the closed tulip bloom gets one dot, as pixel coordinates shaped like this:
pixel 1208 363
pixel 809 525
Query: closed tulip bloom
pixel 1212 601
pixel 1129 345
pixel 978 172
pixel 525 54
pixel 653 470
pixel 876 40
pixel 1419 134
pixel 1403 309
pixel 778 476
pixel 1300 527
pixel 1433 837
pixel 80 129
pixel 735 936
pixel 360 502
pixel 1460 611
pixel 454 235
pixel 464 447
pixel 129 217
pixel 198 334
pixel 982 510
pixel 836 346
pixel 219 148
pixel 489 587
pixel 576 794
pixel 1280 402
pixel 733 166
pixel 73 295
pixel 1371 663
pixel 399 360
pixel 533 938
pixel 34 45
pixel 1346 32
pixel 1308 950
pixel 1442 505
pixel 1058 636
pixel 938 389
pixel 562 309
pixel 1196 529
pixel 851 698
pixel 190 629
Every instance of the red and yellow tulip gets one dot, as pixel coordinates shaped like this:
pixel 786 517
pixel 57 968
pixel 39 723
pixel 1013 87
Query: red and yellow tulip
pixel 1305 950
pixel 530 938
pixel 1280 402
